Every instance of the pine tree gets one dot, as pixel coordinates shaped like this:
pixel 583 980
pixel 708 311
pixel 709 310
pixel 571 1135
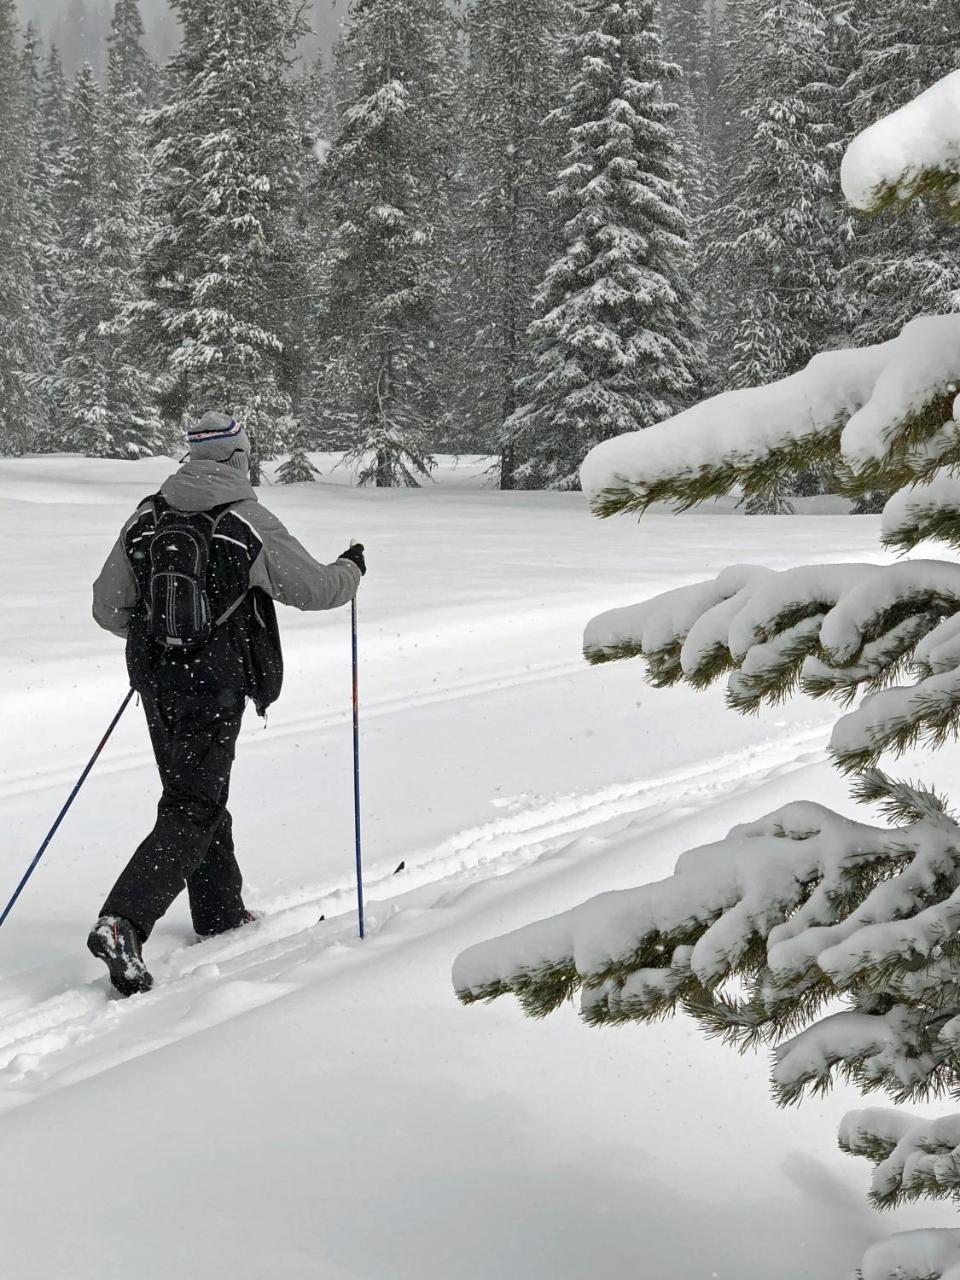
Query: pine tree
pixel 775 233
pixel 39 228
pixel 686 42
pixel 612 342
pixel 316 117
pixel 55 129
pixel 835 942
pixel 21 327
pixel 298 469
pixel 104 399
pixel 78 385
pixel 385 184
pixel 511 157
pixel 221 192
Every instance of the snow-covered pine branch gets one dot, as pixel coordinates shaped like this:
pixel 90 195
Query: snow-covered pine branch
pixel 913 1156
pixel 884 414
pixel 914 152
pixel 834 942
pixel 831 630
pixel 756 935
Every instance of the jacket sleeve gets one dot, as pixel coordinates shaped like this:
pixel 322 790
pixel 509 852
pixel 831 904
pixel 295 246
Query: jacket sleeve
pixel 287 572
pixel 115 594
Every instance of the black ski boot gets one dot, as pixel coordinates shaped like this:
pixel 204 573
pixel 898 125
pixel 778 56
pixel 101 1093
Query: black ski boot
pixel 248 917
pixel 115 941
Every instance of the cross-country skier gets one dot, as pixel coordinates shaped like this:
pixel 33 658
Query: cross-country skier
pixel 190 585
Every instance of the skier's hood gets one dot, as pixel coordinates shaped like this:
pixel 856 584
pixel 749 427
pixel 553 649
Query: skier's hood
pixel 201 484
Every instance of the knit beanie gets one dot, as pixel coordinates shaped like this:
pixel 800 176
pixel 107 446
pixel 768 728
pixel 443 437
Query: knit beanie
pixel 220 438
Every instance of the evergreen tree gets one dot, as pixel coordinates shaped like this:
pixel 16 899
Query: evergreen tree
pixel 40 228
pixel 612 340
pixel 221 191
pixel 511 157
pixel 835 942
pixel 774 234
pixel 76 386
pixel 686 42
pixel 105 401
pixel 316 116
pixel 386 185
pixel 21 328
pixel 55 130
pixel 298 469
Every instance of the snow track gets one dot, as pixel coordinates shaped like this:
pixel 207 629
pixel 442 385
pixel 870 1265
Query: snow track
pixel 14 783
pixel 82 1032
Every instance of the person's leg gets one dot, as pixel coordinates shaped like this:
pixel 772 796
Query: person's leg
pixel 216 887
pixel 195 759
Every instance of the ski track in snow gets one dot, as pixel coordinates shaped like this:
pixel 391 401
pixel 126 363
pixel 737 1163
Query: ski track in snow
pixel 13 784
pixel 82 1032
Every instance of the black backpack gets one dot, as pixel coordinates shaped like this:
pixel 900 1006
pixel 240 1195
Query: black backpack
pixel 178 600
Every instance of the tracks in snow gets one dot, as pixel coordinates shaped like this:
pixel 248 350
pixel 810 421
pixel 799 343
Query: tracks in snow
pixel 15 784
pixel 81 1032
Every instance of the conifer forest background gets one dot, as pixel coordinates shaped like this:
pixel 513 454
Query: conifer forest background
pixel 380 235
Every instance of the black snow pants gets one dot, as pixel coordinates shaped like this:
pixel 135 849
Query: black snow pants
pixel 191 845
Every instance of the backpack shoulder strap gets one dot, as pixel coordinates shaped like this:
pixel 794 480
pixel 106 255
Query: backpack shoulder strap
pixel 217 513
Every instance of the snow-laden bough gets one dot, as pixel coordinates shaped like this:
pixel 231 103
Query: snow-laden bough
pixel 836 943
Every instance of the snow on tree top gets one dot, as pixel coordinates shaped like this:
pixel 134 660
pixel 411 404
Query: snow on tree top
pixel 912 151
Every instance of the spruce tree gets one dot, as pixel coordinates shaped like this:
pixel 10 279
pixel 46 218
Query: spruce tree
pixel 77 385
pixel 510 159
pixel 220 192
pixel 833 941
pixel 105 400
pixel 40 230
pixel 386 185
pixel 686 31
pixel 55 128
pixel 21 327
pixel 774 235
pixel 314 112
pixel 613 349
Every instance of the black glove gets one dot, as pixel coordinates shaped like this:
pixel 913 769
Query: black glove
pixel 355 555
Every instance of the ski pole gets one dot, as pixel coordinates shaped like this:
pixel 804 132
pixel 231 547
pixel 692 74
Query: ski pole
pixel 356 765
pixel 63 812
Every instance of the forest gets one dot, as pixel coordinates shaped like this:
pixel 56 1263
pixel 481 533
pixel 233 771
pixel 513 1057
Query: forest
pixel 401 251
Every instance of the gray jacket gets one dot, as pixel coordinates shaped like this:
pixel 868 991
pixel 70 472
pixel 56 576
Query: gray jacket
pixel 283 569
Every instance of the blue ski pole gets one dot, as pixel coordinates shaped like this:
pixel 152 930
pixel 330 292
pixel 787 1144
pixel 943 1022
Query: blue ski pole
pixel 63 812
pixel 356 765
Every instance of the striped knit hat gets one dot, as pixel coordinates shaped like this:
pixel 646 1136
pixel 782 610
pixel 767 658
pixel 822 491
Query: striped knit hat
pixel 219 438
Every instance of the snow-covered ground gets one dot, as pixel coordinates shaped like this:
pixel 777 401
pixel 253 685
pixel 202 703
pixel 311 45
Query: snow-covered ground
pixel 289 1102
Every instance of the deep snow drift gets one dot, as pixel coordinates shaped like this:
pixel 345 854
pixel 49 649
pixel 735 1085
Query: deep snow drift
pixel 290 1103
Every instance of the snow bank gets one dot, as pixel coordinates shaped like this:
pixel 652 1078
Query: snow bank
pixel 897 154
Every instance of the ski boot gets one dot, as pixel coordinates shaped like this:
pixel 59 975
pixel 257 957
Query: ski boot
pixel 115 941
pixel 248 917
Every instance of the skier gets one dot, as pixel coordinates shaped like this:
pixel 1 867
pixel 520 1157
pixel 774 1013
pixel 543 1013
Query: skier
pixel 190 586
